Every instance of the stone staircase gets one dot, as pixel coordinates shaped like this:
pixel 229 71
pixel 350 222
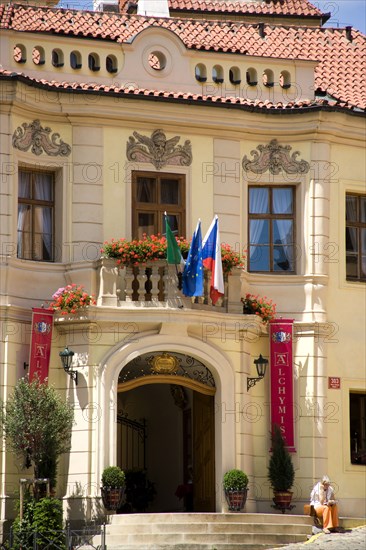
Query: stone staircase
pixel 185 531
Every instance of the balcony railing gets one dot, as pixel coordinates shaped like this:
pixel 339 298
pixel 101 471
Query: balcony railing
pixel 156 285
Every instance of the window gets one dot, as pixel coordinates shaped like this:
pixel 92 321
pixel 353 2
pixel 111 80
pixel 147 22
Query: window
pixel 271 229
pixel 357 416
pixel 356 237
pixel 234 76
pixel 93 62
pixel 152 195
pixel 111 64
pixel 57 58
pixel 75 60
pixel 201 73
pixel 35 215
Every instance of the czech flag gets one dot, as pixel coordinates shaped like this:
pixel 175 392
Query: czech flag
pixel 211 255
pixel 193 271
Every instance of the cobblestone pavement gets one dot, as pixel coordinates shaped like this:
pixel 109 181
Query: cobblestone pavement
pixel 352 539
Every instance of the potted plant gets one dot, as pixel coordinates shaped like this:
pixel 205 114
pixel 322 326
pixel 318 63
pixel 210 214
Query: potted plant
pixel 235 483
pixel 113 484
pixel 281 473
pixel 261 306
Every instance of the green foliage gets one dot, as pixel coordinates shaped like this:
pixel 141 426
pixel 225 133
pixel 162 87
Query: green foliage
pixel 139 491
pixel 43 519
pixel 113 476
pixel 37 426
pixel 235 480
pixel 281 471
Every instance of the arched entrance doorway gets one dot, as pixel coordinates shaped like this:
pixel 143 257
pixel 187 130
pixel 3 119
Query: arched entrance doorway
pixel 166 431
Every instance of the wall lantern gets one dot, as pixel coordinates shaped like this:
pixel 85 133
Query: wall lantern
pixel 261 364
pixel 66 359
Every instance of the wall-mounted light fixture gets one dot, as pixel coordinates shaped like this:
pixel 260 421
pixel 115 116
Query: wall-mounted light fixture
pixel 66 360
pixel 261 364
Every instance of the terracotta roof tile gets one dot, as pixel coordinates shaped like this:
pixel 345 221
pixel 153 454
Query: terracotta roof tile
pixel 244 103
pixel 341 53
pixel 296 8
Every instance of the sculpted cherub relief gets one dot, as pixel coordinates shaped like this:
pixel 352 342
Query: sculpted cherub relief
pixel 158 150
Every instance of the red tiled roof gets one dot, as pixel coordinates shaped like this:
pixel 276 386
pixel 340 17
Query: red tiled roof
pixel 295 8
pixel 181 97
pixel 340 72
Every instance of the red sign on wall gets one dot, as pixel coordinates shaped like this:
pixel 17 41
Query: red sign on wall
pixel 42 322
pixel 282 401
pixel 334 383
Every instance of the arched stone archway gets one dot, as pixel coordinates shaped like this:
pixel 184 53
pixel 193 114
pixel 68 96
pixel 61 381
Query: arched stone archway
pixel 224 400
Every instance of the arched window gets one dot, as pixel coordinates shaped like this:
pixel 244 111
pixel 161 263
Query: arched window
pixel 20 53
pixel 38 56
pixel 111 64
pixel 252 77
pixel 75 60
pixel 57 58
pixel 234 75
pixel 201 73
pixel 285 79
pixel 218 74
pixel 94 62
pixel 268 78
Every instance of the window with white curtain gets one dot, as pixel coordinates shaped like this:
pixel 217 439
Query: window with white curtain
pixel 152 195
pixel 35 216
pixel 271 221
pixel 356 237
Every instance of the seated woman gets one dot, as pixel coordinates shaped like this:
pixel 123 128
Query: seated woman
pixel 322 498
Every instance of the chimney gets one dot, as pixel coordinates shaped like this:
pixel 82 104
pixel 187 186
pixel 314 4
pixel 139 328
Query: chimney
pixel 153 8
pixel 349 33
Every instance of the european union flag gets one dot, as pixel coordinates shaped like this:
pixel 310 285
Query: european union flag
pixel 193 271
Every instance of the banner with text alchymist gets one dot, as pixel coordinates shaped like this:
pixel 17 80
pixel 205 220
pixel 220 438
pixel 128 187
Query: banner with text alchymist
pixel 282 391
pixel 40 349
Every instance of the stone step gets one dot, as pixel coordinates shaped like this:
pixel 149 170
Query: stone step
pixel 206 528
pixel 123 519
pixel 171 539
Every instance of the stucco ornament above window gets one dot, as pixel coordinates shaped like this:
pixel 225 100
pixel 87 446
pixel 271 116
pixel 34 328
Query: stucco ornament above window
pixel 37 138
pixel 158 150
pixel 275 158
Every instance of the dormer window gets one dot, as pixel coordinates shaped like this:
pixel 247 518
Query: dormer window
pixel 201 73
pixel 218 74
pixel 57 58
pixel 268 78
pixel 157 61
pixel 94 62
pixel 234 75
pixel 75 60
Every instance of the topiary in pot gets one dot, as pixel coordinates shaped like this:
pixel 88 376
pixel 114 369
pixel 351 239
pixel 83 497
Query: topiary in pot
pixel 113 483
pixel 235 483
pixel 281 472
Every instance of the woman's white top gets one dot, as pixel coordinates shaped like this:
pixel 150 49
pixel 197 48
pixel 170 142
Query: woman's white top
pixel 320 496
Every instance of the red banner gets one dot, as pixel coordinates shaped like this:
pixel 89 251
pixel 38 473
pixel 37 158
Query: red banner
pixel 282 400
pixel 40 351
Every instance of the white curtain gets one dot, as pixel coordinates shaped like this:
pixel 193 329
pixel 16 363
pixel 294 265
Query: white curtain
pixel 282 230
pixel 43 217
pixel 258 229
pixel 24 217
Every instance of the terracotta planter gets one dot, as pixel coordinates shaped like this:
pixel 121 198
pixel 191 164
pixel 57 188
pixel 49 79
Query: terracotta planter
pixel 236 499
pixel 282 500
pixel 112 497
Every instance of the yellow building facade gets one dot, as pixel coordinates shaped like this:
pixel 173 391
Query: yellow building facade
pixel 144 104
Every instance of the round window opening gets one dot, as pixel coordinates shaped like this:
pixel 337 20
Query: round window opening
pixel 157 61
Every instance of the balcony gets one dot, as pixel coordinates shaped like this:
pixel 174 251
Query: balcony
pixel 155 285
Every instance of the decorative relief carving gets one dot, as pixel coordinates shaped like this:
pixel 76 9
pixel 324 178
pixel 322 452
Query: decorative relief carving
pixel 275 158
pixel 39 139
pixel 158 150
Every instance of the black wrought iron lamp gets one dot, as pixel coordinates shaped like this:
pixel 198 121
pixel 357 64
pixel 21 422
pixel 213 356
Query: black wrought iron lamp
pixel 261 364
pixel 66 359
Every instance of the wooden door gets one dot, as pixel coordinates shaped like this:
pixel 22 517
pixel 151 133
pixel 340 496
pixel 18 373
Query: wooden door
pixel 203 453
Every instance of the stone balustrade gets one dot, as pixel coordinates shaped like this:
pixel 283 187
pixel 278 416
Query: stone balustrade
pixel 156 285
